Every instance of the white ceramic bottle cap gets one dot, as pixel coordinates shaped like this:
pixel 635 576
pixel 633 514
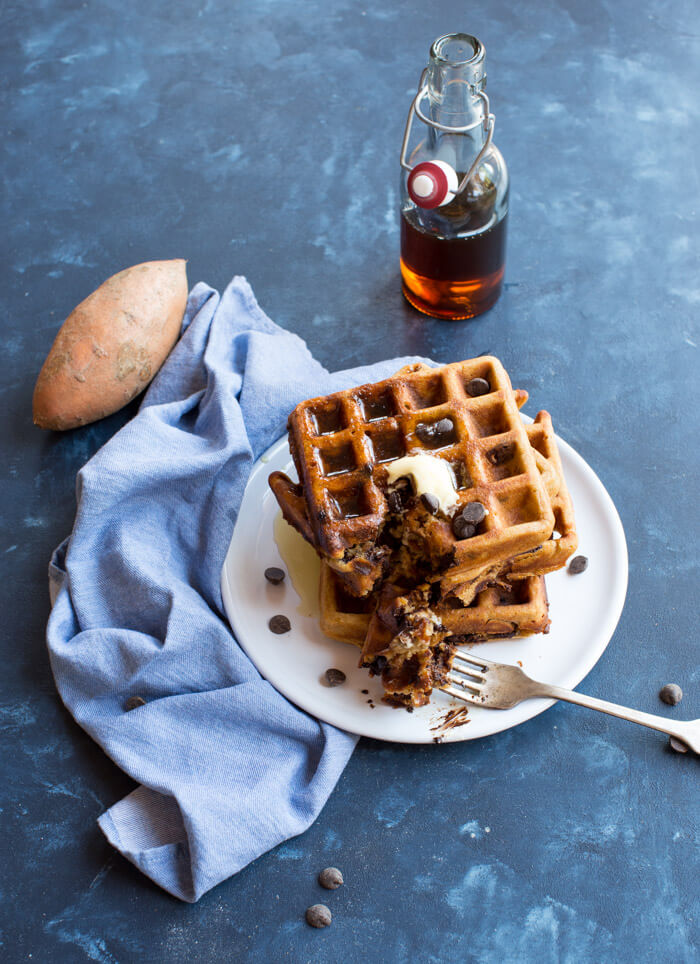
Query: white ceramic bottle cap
pixel 432 184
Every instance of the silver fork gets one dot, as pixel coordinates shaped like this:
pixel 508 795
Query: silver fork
pixel 498 686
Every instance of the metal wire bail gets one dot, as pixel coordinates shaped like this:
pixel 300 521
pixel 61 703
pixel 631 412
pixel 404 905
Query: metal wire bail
pixel 488 122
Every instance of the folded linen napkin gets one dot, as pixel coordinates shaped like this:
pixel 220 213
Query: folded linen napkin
pixel 227 767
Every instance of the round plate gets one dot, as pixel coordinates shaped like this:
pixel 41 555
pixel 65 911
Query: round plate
pixel 584 610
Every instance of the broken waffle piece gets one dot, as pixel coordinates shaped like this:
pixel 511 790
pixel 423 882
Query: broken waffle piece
pixel 420 653
pixel 405 645
pixel 411 643
pixel 505 609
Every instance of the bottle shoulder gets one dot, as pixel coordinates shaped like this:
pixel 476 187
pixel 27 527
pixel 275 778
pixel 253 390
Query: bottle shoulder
pixel 491 174
pixel 482 202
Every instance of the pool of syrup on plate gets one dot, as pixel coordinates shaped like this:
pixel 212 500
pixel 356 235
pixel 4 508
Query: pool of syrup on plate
pixel 302 564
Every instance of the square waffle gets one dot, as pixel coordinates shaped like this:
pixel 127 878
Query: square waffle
pixel 341 444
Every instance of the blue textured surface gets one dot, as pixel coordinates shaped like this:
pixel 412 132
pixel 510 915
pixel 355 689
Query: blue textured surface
pixel 264 141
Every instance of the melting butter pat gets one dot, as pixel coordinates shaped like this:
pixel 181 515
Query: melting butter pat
pixel 429 475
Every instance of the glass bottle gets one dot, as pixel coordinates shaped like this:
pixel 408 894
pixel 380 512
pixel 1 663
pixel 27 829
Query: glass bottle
pixel 453 243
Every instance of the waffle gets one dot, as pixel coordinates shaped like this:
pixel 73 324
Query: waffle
pixel 562 544
pixel 547 470
pixel 341 443
pixel 344 616
pixel 410 642
pixel 517 609
pixel 412 665
pixel 553 553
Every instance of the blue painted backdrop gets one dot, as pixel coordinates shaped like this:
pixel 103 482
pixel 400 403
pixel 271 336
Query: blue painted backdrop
pixel 262 139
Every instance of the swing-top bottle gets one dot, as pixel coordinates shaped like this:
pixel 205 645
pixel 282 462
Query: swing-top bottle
pixel 454 188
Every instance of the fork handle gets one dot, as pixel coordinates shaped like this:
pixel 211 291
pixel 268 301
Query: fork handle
pixel 688 732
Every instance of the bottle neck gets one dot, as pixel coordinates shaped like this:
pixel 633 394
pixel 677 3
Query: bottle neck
pixel 455 77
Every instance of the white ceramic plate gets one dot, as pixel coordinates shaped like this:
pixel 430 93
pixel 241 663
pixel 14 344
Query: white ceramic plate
pixel 584 610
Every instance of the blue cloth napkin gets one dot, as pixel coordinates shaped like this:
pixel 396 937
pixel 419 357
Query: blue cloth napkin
pixel 227 768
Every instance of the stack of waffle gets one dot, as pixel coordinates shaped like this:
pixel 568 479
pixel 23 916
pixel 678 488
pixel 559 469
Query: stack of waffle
pixel 408 577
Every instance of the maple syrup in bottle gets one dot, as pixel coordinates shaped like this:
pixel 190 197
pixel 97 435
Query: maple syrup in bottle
pixel 453 244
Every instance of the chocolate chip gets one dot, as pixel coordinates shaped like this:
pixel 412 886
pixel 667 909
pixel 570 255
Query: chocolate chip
pixel 394 501
pixel 473 512
pixel 274 575
pixel 331 878
pixel 677 745
pixel 378 664
pixel 335 677
pixel 399 495
pixel 432 432
pixel 466 520
pixel 444 427
pixel 318 915
pixel 501 453
pixel 365 692
pixel 671 693
pixel 578 564
pixel 430 502
pixel 461 528
pixel 478 386
pixel 425 431
pixel 134 702
pixel 279 624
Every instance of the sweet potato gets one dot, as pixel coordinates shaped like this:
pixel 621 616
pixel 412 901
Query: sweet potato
pixel 111 346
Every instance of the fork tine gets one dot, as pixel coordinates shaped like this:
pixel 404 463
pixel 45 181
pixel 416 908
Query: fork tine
pixel 480 661
pixel 454 676
pixel 467 670
pixel 460 694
